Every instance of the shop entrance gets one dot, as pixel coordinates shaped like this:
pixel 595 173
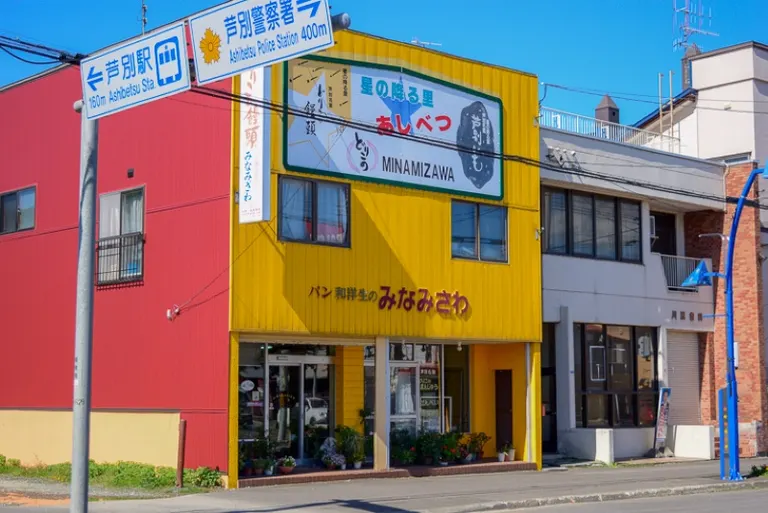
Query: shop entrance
pixel 294 405
pixel 300 392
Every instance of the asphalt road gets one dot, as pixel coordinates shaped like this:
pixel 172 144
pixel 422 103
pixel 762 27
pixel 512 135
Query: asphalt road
pixel 747 500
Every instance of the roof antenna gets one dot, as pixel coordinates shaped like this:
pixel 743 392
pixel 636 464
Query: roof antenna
pixel 143 18
pixel 693 23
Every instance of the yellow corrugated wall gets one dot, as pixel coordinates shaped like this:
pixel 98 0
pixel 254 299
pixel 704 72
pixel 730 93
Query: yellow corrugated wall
pixel 400 236
pixel 350 386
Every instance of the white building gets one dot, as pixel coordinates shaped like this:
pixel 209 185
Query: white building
pixel 617 322
pixel 727 87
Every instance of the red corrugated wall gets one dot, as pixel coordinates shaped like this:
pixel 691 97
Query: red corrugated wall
pixel 179 149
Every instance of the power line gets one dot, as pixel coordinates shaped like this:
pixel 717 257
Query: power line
pixel 365 127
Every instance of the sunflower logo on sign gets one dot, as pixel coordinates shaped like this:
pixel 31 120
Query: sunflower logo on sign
pixel 210 45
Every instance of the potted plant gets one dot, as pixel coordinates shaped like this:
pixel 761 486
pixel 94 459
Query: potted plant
pixel 464 456
pixel 449 450
pixel 258 466
pixel 269 467
pixel 359 456
pixel 506 452
pixel 501 453
pixel 334 460
pixel 510 452
pixel 428 446
pixel 286 465
pixel 477 443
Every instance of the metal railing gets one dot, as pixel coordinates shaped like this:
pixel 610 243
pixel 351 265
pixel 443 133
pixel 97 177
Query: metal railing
pixel 583 125
pixel 677 269
pixel 120 259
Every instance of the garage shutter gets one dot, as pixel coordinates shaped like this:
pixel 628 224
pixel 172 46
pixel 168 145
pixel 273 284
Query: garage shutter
pixel 683 371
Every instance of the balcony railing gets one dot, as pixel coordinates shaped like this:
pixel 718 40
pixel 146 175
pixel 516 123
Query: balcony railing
pixel 677 269
pixel 582 125
pixel 120 259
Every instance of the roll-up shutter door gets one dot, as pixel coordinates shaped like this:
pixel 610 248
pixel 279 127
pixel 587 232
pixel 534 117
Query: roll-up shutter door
pixel 683 371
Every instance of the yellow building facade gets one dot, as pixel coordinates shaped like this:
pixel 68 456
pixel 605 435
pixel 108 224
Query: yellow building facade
pixel 396 285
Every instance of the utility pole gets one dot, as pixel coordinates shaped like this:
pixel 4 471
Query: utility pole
pixel 143 16
pixel 81 404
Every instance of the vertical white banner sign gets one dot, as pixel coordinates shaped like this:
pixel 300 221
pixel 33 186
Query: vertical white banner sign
pixel 254 163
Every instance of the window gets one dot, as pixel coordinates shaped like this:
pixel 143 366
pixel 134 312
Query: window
pixel 615 375
pixel 591 226
pixel 478 232
pixel 121 237
pixel 313 211
pixel 555 222
pixel 17 210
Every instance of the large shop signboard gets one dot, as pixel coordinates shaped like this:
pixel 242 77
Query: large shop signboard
pixel 389 125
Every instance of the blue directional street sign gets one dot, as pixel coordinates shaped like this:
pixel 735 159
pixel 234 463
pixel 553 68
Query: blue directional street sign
pixel 699 277
pixel 138 71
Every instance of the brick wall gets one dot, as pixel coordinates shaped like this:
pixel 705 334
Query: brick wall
pixel 749 330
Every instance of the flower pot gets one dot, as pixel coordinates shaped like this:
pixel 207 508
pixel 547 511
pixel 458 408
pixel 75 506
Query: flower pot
pixel 286 470
pixel 443 463
pixel 468 459
pixel 511 455
pixel 502 456
pixel 331 467
pixel 479 455
pixel 247 471
pixel 358 465
pixel 343 466
pixel 269 471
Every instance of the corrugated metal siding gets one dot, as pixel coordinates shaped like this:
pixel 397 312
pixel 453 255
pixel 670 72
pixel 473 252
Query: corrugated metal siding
pixel 684 378
pixel 206 443
pixel 401 236
pixel 180 151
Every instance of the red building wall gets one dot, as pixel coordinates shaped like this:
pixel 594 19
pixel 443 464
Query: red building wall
pixel 179 149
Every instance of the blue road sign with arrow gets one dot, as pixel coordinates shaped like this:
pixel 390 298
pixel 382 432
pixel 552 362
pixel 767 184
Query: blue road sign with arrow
pixel 699 277
pixel 135 72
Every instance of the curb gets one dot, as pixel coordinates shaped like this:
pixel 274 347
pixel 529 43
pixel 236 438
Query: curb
pixel 752 484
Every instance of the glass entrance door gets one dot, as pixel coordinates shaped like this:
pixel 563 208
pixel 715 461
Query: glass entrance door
pixel 284 408
pixel 316 410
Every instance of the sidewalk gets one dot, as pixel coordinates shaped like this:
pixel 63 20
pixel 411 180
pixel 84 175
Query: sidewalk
pixel 456 494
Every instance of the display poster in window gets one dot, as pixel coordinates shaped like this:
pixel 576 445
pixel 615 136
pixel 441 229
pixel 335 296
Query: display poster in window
pixel 662 421
pixel 254 190
pixel 429 391
pixel 390 125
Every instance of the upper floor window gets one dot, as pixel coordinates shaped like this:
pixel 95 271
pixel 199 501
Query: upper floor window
pixel 121 237
pixel 590 225
pixel 17 210
pixel 313 211
pixel 478 231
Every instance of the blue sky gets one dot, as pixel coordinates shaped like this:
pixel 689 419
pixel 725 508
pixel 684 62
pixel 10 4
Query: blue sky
pixel 605 45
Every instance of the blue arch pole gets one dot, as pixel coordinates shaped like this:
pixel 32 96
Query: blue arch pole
pixel 732 387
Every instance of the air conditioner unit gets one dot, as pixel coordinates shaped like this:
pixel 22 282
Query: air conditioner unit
pixel 555 120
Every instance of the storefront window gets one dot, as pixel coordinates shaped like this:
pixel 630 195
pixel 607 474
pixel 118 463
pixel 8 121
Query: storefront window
pixel 615 375
pixel 251 391
pixel 415 387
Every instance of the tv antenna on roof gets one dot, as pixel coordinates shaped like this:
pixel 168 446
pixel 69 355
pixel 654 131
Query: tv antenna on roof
pixel 424 44
pixel 692 24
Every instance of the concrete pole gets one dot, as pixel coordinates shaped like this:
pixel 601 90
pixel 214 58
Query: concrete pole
pixel 81 404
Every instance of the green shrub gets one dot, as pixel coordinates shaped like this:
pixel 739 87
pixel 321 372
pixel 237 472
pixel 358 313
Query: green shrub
pixel 14 463
pixel 60 472
pixel 3 460
pixel 206 477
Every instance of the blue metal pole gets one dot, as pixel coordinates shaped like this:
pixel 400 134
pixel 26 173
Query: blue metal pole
pixel 733 394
